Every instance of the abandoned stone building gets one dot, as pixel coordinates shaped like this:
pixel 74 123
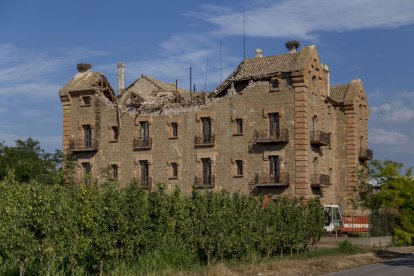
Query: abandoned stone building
pixel 275 126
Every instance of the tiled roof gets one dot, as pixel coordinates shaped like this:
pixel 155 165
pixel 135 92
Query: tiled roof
pixel 338 92
pixel 256 67
pixel 82 80
pixel 164 86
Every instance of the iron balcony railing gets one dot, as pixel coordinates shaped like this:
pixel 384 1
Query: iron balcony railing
pixel 366 154
pixel 204 140
pixel 320 138
pixel 268 180
pixel 142 143
pixel 206 182
pixel 265 136
pixel 320 180
pixel 83 145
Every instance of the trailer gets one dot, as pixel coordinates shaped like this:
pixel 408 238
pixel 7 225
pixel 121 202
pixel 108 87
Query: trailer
pixel 337 223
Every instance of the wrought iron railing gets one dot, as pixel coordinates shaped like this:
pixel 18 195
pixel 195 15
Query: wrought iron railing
pixel 320 138
pixel 204 140
pixel 142 143
pixel 365 154
pixel 204 181
pixel 265 136
pixel 266 179
pixel 83 145
pixel 320 180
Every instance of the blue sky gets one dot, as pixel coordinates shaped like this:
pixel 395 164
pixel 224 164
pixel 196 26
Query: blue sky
pixel 42 41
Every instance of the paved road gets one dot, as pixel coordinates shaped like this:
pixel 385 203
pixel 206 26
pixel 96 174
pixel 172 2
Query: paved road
pixel 397 267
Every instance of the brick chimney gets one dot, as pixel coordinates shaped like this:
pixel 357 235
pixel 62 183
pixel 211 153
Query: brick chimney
pixel 121 78
pixel 292 46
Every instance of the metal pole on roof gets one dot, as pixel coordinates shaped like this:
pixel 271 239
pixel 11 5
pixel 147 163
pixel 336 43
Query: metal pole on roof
pixel 191 82
pixel 221 66
pixel 244 34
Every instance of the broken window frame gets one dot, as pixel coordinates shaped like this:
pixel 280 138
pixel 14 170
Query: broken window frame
pixel 174 170
pixel 239 168
pixel 114 134
pixel 114 171
pixel 239 130
pixel 86 101
pixel 174 130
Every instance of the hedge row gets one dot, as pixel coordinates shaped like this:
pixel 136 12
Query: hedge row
pixel 93 227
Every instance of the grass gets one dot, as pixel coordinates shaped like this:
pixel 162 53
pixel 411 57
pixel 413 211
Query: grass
pixel 177 259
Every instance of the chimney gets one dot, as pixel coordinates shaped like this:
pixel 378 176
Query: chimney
pixel 259 53
pixel 83 67
pixel 328 78
pixel 292 46
pixel 121 78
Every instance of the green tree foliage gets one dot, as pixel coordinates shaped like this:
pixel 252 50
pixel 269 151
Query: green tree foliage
pixel 385 189
pixel 29 162
pixel 50 228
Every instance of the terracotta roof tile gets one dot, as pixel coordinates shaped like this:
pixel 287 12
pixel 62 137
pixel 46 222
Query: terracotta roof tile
pixel 338 92
pixel 256 67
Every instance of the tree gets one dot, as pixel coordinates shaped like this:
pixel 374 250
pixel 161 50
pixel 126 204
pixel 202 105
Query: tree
pixel 384 189
pixel 29 161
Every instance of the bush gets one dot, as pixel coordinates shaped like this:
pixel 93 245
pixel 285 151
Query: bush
pixel 70 229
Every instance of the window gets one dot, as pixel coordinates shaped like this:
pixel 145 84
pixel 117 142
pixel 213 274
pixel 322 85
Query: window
pixel 174 170
pixel 274 169
pixel 239 126
pixel 144 172
pixel 206 121
pixel 174 129
pixel 274 85
pixel 206 162
pixel 144 133
pixel 86 101
pixel 86 166
pixel 239 167
pixel 274 129
pixel 87 136
pixel 115 133
pixel 114 171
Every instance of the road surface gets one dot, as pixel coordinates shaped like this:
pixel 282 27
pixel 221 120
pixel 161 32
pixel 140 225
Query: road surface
pixel 396 267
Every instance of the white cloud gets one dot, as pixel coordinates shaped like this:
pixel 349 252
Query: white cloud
pixel 393 112
pixel 390 138
pixel 32 89
pixel 302 18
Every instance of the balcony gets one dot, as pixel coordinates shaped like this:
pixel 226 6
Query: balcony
pixel 266 137
pixel 204 182
pixel 206 140
pixel 320 138
pixel 142 143
pixel 267 180
pixel 320 180
pixel 365 154
pixel 76 145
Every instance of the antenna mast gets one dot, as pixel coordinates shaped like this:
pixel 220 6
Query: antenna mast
pixel 221 66
pixel 244 34
pixel 205 78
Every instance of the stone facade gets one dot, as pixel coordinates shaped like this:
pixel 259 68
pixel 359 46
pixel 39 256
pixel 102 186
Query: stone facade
pixel 274 126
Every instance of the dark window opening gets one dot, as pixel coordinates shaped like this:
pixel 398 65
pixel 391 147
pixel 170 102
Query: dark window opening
pixel 174 167
pixel 174 127
pixel 114 171
pixel 239 167
pixel 115 133
pixel 144 171
pixel 86 172
pixel 86 101
pixel 239 126
pixel 87 136
pixel 274 85
pixel 274 128
pixel 274 168
pixel 144 132
pixel 206 121
pixel 206 170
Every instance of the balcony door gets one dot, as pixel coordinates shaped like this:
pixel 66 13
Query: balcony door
pixel 206 170
pixel 87 136
pixel 206 121
pixel 144 171
pixel 274 128
pixel 144 132
pixel 274 169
